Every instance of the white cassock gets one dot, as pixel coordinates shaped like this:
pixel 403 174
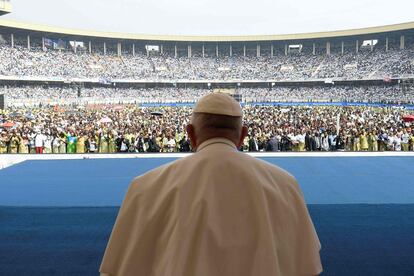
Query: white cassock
pixel 216 212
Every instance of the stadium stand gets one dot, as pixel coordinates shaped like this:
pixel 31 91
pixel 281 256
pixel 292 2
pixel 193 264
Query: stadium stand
pixel 346 90
pixel 49 95
pixel 21 62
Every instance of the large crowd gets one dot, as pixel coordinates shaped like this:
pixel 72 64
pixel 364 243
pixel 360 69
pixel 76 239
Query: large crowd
pixel 36 95
pixel 40 95
pixel 107 129
pixel 19 61
pixel 110 119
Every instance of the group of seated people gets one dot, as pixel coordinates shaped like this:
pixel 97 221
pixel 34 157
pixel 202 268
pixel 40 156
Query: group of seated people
pixel 36 95
pixel 304 65
pixel 103 129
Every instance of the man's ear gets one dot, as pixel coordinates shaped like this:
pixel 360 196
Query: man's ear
pixel 242 136
pixel 191 134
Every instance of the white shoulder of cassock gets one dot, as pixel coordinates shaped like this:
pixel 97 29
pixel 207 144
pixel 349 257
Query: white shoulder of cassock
pixel 216 212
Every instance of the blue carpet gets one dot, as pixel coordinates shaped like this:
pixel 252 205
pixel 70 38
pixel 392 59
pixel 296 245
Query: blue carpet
pixel 69 217
pixel 103 182
pixel 357 239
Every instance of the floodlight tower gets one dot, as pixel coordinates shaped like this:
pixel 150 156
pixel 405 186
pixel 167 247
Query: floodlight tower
pixel 5 7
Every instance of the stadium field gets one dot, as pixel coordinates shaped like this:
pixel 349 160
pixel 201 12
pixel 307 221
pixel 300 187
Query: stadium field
pixel 56 215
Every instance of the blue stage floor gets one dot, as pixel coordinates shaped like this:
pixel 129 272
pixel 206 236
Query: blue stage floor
pixel 103 182
pixel 63 232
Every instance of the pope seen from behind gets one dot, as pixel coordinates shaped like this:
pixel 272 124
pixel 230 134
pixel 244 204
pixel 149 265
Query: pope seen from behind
pixel 217 212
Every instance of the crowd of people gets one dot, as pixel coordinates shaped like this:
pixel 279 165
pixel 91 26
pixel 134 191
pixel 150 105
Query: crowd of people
pixel 377 63
pixel 36 95
pixel 19 61
pixel 109 119
pixel 104 129
pixel 330 93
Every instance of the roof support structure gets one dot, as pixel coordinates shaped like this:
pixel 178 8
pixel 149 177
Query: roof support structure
pixel 402 42
pixel 386 44
pixel 328 48
pixel 393 40
pixel 119 49
pixel 21 27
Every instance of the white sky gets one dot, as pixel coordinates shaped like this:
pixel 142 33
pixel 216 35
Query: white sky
pixel 213 17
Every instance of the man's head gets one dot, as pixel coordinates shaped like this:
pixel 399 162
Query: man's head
pixel 216 115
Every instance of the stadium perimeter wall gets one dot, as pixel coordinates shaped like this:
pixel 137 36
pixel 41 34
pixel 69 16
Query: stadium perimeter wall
pixel 7 160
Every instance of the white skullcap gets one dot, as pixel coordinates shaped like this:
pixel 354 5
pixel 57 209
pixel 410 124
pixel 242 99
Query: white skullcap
pixel 220 104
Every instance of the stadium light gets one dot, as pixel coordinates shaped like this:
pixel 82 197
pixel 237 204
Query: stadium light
pixel 5 7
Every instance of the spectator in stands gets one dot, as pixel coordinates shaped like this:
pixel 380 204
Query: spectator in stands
pixel 19 61
pixel 36 95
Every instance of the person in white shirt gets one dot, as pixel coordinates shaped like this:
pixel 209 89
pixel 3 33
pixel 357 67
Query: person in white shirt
pixel 405 141
pixel 47 144
pixel 325 142
pixel 301 139
pixel 39 140
pixel 397 142
pixel 216 212
pixel 390 145
pixel 171 144
pixel 55 144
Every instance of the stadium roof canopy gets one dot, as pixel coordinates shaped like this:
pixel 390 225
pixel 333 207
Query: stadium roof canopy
pixel 29 28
